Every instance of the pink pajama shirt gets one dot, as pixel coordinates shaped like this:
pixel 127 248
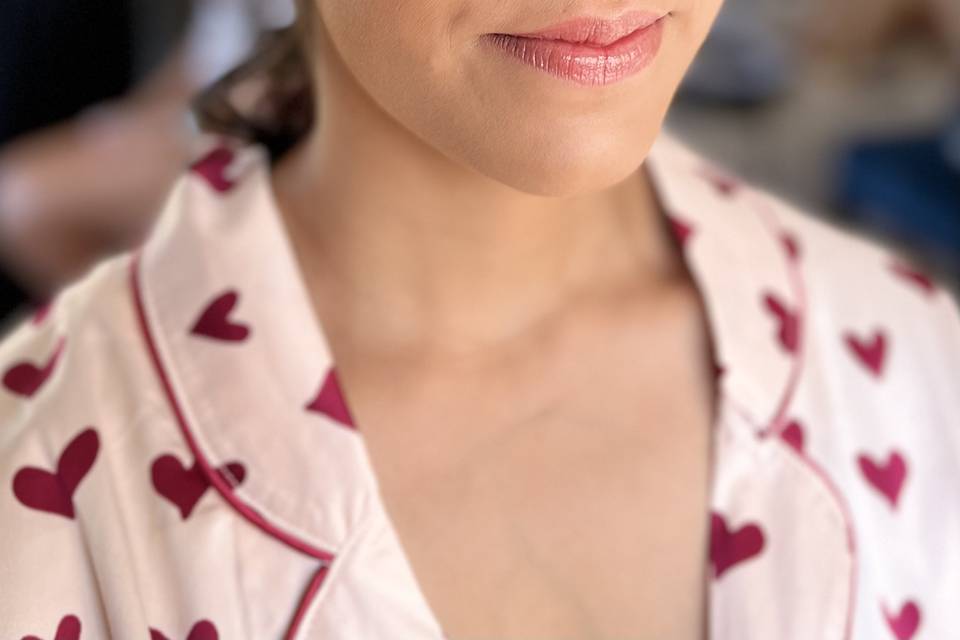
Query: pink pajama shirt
pixel 177 459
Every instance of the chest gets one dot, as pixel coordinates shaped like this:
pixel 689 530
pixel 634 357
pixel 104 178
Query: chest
pixel 585 520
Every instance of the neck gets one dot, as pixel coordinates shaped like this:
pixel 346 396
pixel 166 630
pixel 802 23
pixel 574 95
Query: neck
pixel 420 252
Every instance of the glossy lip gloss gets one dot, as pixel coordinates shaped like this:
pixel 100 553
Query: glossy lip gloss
pixel 588 50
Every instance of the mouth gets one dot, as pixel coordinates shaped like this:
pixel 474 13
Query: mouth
pixel 595 31
pixel 588 50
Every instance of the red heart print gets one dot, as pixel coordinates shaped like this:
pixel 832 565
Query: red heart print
pixel 215 322
pixel 330 401
pixel 887 478
pixel 793 435
pixel 203 630
pixel 870 354
pixel 184 487
pixel 789 322
pixel 913 276
pixel 791 245
pixel 213 168
pixel 68 629
pixel 723 182
pixel 53 492
pixel 727 548
pixel 681 230
pixel 905 624
pixel 26 378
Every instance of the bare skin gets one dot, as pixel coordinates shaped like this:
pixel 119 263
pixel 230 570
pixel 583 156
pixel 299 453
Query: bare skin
pixel 550 482
pixel 558 491
pixel 527 360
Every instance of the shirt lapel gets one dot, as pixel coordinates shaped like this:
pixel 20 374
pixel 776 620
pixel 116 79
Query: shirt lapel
pixel 250 376
pixel 782 547
pixel 742 265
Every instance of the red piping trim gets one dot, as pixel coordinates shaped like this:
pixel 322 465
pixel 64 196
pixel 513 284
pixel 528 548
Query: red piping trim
pixel 848 522
pixel 779 422
pixel 219 483
pixel 306 600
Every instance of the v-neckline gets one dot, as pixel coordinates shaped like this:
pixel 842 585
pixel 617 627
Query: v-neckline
pixel 221 245
pixel 722 403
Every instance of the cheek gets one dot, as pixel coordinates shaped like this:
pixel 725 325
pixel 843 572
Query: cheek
pixel 392 41
pixel 700 18
pixel 411 57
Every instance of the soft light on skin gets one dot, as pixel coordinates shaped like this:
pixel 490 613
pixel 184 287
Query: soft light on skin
pixel 422 62
pixel 465 192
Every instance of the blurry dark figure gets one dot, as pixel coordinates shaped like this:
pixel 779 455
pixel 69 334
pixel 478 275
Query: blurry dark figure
pixel 39 85
pixel 65 70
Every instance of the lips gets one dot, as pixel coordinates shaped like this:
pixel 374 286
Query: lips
pixel 595 31
pixel 587 50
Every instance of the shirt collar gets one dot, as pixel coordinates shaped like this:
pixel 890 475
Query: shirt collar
pixel 249 373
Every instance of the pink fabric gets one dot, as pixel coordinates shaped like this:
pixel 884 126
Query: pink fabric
pixel 178 459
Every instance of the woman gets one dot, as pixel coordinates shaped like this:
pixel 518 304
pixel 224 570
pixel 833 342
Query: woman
pixel 483 353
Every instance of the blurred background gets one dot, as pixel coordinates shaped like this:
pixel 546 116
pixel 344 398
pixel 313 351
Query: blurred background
pixel 850 109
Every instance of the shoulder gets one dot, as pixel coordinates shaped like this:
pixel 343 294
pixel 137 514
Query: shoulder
pixel 846 278
pixel 83 358
pixel 82 365
pixel 880 331
pixel 855 279
pixel 71 373
pixel 73 387
pixel 47 358
pixel 77 373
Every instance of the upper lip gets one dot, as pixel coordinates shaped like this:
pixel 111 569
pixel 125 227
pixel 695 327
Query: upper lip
pixel 594 30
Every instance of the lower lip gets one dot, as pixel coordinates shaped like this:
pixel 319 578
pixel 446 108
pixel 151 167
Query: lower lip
pixel 582 63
